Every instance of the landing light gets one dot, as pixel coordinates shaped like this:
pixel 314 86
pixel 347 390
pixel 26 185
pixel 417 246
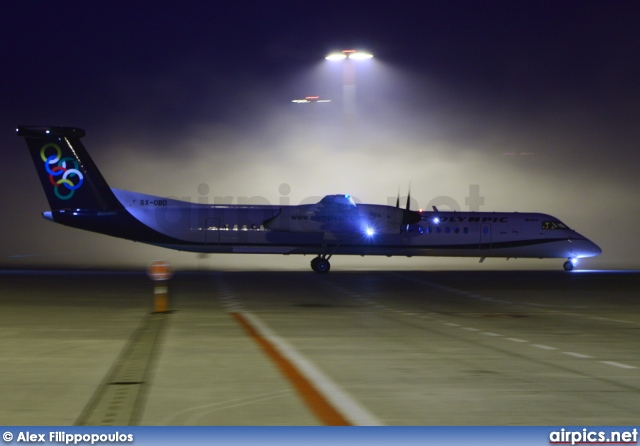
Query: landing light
pixel 370 232
pixel 574 261
pixel 436 221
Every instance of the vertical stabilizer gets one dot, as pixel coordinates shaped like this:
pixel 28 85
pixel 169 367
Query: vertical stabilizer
pixel 68 175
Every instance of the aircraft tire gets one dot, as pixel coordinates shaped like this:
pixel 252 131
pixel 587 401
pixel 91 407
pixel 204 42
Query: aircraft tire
pixel 568 266
pixel 322 266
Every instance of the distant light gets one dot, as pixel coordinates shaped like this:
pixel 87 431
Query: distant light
pixel 370 232
pixel 309 99
pixel 47 132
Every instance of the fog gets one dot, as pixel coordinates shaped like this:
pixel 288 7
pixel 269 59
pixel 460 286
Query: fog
pixel 525 138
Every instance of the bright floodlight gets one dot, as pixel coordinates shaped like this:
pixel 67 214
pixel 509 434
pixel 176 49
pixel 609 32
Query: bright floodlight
pixel 360 56
pixel 370 232
pixel 336 56
pixel 351 54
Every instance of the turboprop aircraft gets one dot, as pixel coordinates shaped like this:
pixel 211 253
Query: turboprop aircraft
pixel 80 197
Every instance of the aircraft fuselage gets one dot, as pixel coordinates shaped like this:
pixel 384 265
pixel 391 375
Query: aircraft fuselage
pixel 80 197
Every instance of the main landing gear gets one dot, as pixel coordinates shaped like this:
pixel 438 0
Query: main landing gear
pixel 321 264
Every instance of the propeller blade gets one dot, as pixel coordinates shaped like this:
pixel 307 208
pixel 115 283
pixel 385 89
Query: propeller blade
pixel 410 217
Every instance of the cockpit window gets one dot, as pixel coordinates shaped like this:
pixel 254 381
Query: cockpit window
pixel 553 225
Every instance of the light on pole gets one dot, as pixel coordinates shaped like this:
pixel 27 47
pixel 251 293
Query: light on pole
pixel 349 76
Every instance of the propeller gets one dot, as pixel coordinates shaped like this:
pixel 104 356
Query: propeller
pixel 409 217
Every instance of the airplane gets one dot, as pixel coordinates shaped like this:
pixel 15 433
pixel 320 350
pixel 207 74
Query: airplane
pixel 79 197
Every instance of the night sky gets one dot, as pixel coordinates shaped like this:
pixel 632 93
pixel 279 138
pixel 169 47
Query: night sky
pixel 536 103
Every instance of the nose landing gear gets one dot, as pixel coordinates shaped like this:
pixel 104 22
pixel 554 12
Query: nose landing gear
pixel 569 264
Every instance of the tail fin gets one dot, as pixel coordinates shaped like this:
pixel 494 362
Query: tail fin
pixel 69 176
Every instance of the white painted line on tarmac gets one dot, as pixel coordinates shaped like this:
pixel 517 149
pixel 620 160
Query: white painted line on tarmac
pixel 538 346
pixel 516 340
pixel 618 364
pixel 578 355
pixel 543 347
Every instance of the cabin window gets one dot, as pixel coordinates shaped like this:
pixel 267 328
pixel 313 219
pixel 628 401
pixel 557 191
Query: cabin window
pixel 456 230
pixel 466 230
pixel 447 230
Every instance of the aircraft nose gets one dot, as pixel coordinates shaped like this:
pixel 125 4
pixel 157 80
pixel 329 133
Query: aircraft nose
pixel 588 248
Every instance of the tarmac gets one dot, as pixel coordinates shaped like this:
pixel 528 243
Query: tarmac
pixel 296 348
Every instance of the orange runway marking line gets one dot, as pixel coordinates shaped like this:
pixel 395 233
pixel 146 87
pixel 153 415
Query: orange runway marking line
pixel 314 399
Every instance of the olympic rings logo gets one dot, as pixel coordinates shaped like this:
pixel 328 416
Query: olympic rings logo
pixel 60 171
